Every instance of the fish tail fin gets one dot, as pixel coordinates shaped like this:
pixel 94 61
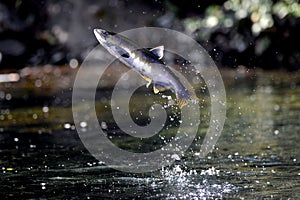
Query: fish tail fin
pixel 195 99
pixel 184 98
pixel 182 102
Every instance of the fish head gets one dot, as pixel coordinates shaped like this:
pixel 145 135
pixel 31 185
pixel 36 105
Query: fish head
pixel 113 42
pixel 103 36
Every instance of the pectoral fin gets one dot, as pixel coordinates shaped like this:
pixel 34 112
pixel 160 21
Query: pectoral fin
pixel 148 84
pixel 148 80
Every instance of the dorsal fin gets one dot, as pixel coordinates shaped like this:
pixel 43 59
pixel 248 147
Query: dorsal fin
pixel 158 51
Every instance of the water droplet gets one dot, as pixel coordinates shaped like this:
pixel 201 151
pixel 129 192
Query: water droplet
pixel 171 102
pixel 8 96
pixel 103 125
pixel 45 109
pixel 73 63
pixel 16 139
pixel 83 124
pixel 43 186
pixel 34 116
pixel 276 107
pixel 175 157
pixel 196 80
pixel 276 132
pixel 57 72
pixel 222 103
pixel 67 125
pixel 38 83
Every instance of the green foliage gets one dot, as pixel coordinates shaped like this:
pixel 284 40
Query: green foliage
pixel 260 12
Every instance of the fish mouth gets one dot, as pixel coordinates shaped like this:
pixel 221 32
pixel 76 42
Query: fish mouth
pixel 102 34
pixel 99 31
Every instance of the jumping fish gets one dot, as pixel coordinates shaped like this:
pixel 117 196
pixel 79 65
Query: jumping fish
pixel 147 63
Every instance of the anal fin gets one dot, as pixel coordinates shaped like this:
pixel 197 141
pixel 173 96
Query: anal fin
pixel 161 88
pixel 155 89
pixel 158 88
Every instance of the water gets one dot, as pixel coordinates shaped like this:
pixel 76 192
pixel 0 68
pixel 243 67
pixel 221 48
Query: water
pixel 256 157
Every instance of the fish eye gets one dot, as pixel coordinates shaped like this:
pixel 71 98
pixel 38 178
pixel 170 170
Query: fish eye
pixel 105 33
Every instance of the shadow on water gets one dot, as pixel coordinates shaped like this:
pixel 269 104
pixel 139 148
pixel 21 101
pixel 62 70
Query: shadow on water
pixel 257 155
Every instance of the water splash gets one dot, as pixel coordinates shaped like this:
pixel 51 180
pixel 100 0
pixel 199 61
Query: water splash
pixel 183 183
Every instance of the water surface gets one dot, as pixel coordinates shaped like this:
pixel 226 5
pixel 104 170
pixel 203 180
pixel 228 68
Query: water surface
pixel 257 155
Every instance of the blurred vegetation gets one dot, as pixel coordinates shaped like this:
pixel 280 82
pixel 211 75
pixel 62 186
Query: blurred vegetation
pixel 252 33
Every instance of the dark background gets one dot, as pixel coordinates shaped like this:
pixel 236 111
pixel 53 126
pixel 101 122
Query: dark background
pixel 254 34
